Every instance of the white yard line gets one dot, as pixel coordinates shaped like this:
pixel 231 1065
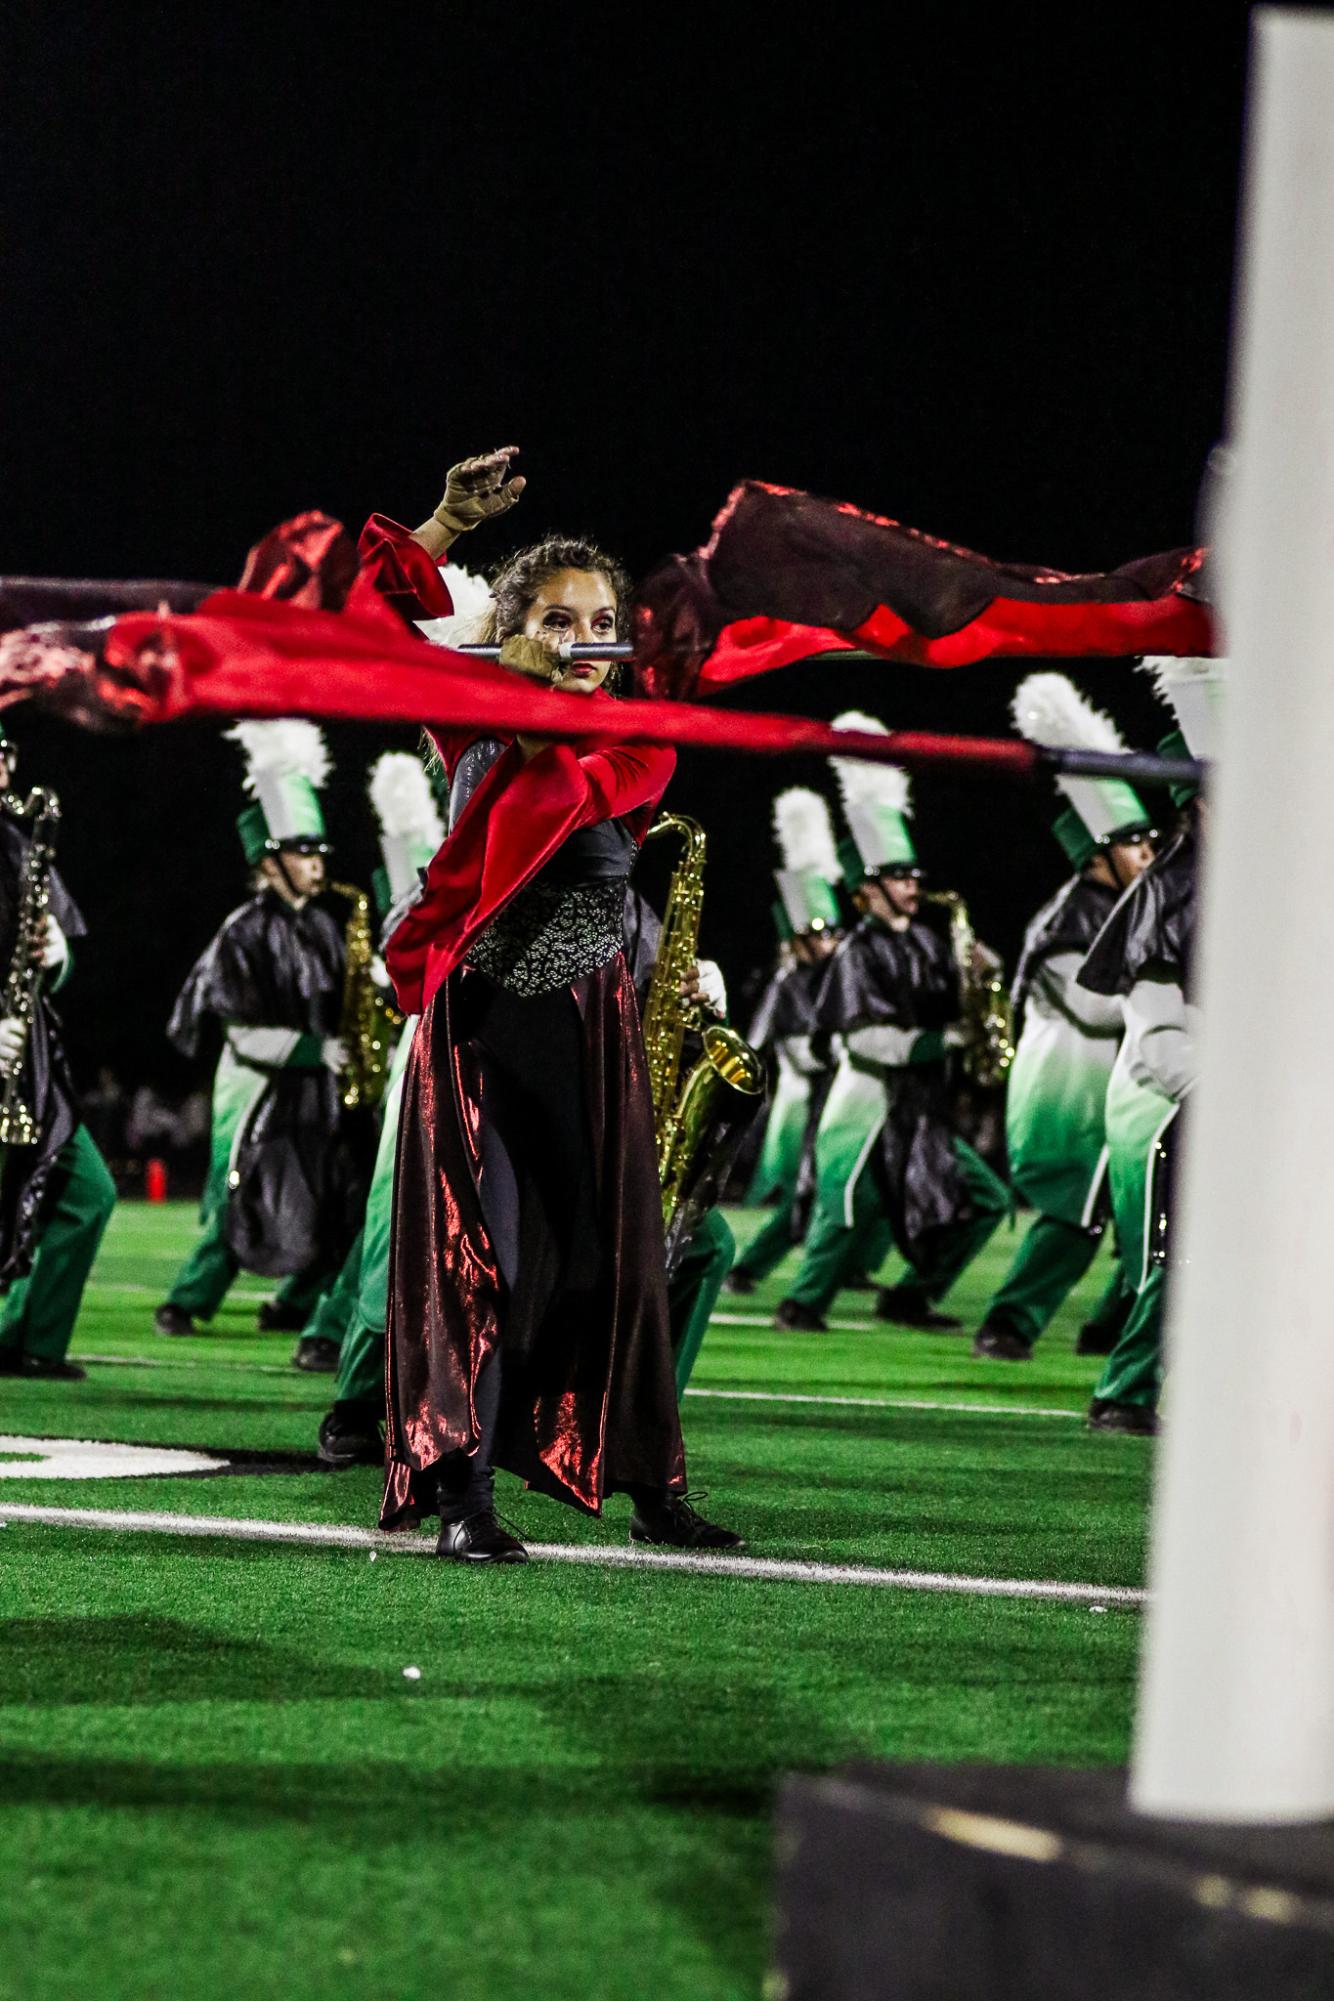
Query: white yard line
pixel 769 1570
pixel 888 1403
pixel 198 1362
pixel 870 1325
pixel 731 1396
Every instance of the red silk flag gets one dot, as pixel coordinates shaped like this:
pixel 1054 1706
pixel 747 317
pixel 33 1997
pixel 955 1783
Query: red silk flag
pixel 785 575
pixel 312 633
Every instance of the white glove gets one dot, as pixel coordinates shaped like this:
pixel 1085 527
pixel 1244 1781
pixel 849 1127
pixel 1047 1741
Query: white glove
pixel 712 986
pixel 333 1053
pixel 957 1036
pixel 55 946
pixel 13 1041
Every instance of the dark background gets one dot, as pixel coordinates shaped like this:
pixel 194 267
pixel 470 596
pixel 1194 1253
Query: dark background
pixel 976 277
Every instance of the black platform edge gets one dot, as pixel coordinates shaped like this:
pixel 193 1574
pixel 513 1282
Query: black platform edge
pixel 1003 1883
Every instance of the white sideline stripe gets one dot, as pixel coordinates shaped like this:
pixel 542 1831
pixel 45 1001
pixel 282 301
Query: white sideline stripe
pixel 871 1325
pixel 189 1362
pixel 246 1292
pixel 770 1570
pixel 733 1396
pixel 889 1403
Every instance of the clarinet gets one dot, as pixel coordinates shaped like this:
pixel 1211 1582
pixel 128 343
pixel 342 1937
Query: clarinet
pixel 18 1126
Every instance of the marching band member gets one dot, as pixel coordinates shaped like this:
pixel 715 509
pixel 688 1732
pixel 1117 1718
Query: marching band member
pixel 885 1146
pixel 704 1258
pixel 1144 954
pixel 1056 1096
pixel 56 1193
pixel 351 1317
pixel 810 926
pixel 285 1182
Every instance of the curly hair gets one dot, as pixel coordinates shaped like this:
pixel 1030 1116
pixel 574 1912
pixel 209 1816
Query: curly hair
pixel 516 581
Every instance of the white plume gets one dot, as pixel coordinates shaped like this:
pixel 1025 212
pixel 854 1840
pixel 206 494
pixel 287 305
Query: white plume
pixel 1049 709
pixel 288 748
pixel 805 833
pixel 471 598
pixel 1170 670
pixel 403 800
pixel 863 783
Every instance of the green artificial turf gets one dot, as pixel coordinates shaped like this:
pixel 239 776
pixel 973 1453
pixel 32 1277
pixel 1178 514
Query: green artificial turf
pixel 217 1780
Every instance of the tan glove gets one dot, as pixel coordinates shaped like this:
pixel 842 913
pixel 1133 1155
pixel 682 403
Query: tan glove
pixel 530 657
pixel 478 490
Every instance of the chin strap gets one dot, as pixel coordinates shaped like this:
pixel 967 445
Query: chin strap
pixel 299 897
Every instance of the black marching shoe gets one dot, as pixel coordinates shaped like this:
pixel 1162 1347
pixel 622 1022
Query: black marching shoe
pixel 671 1520
pixel 908 1309
pixel 171 1319
pixel 1000 1344
pixel 799 1319
pixel 50 1371
pixel 479 1539
pixel 738 1281
pixel 1096 1340
pixel 860 1281
pixel 275 1318
pixel 350 1436
pixel 317 1353
pixel 1135 1420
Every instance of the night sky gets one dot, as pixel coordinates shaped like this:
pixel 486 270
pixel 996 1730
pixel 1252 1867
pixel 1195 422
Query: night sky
pixel 975 279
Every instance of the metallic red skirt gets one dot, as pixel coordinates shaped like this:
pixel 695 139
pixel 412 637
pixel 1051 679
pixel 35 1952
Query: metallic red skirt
pixel 546 1247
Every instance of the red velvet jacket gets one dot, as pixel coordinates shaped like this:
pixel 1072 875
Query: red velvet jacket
pixel 513 824
pixel 520 813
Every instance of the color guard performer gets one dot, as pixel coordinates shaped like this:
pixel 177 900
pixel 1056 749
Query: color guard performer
pixel 528 1320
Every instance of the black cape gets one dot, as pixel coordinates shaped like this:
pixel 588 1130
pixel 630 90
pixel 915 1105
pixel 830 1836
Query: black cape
pixel 303 1163
pixel 1151 932
pixel 788 1007
pixel 906 979
pixel 1068 922
pixel 26 1186
pixel 1151 929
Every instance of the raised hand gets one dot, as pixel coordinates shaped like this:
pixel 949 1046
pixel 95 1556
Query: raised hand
pixel 478 490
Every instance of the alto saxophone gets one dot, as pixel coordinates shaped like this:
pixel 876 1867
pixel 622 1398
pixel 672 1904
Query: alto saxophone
pixel 694 1117
pixel 986 1005
pixel 18 1123
pixel 367 1021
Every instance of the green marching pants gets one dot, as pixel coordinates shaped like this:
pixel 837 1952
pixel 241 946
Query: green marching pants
pixel 1047 1266
pixel 40 1310
pixel 1134 1370
pixel 335 1308
pixel 833 1248
pixel 693 1290
pixel 866 1250
pixel 771 1242
pixel 206 1277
